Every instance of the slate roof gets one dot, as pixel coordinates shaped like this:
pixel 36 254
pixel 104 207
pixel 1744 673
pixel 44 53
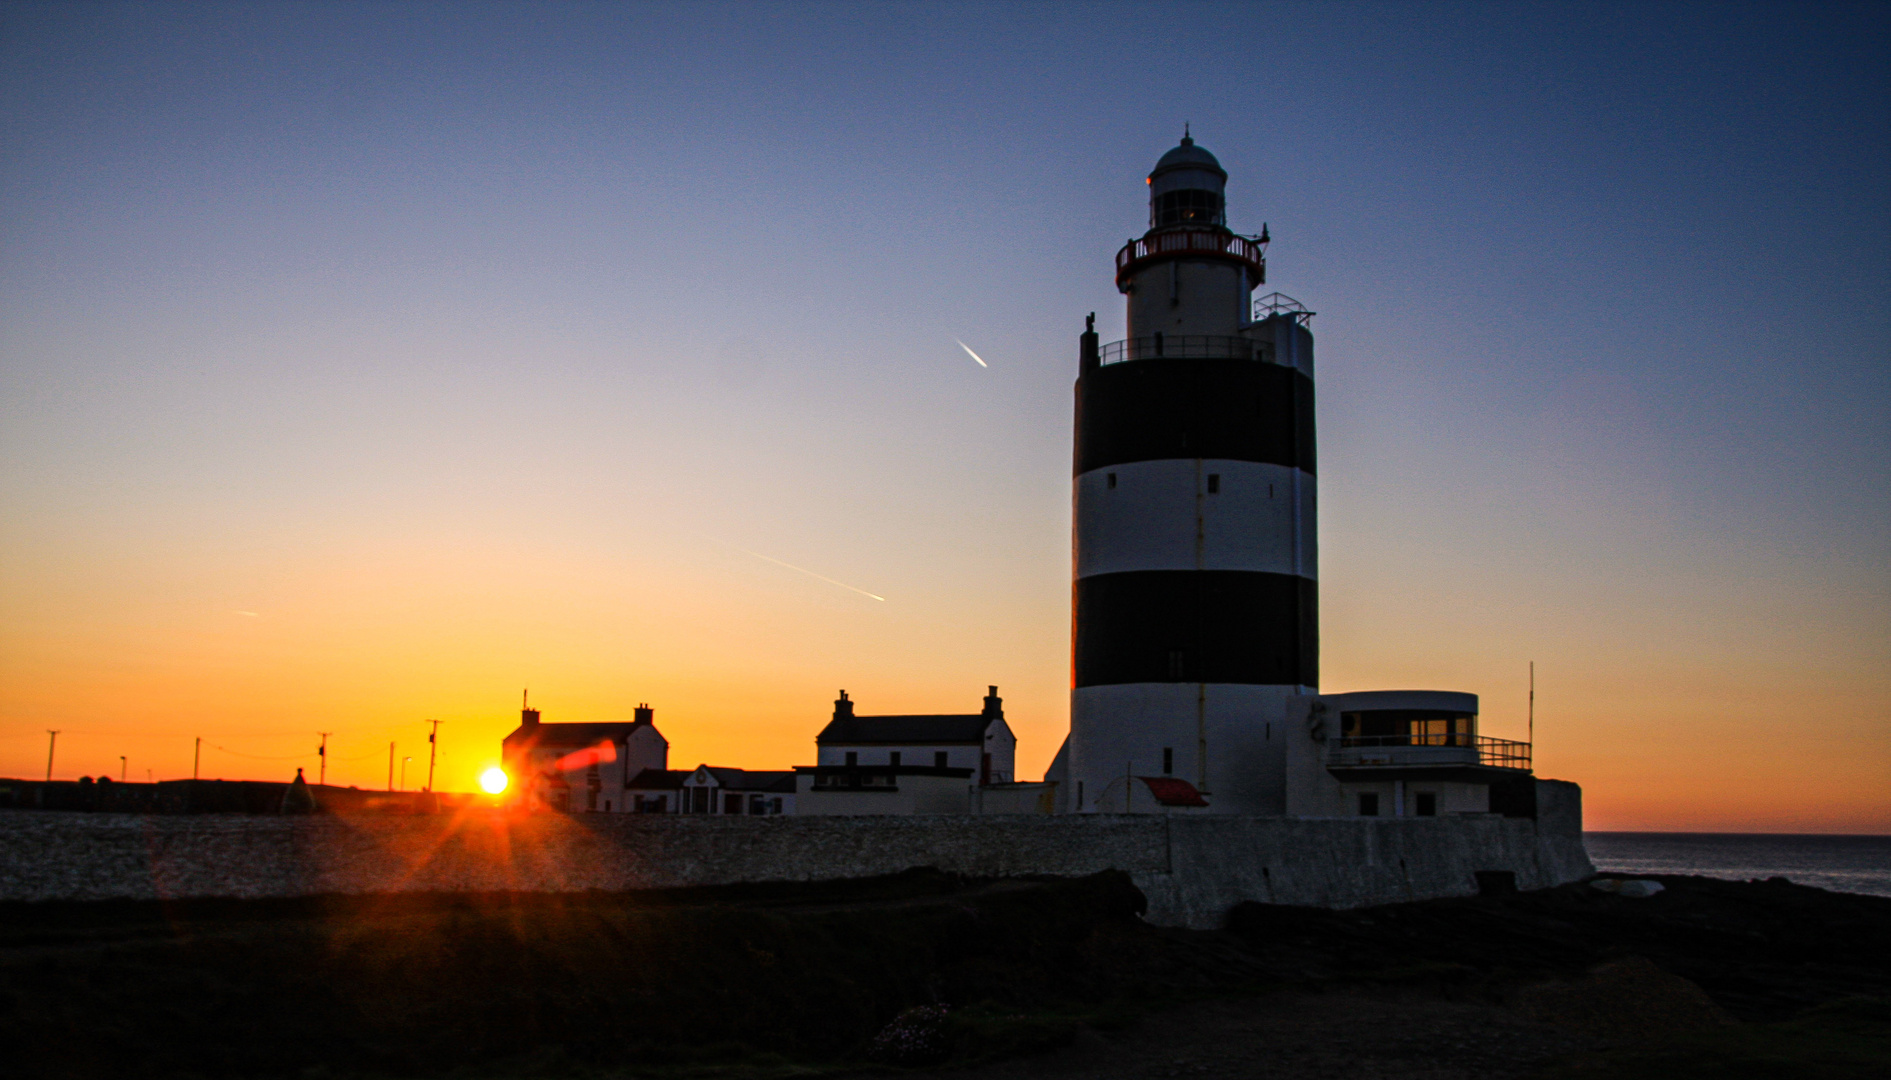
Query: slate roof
pixel 573 735
pixel 905 730
pixel 733 779
pixel 660 779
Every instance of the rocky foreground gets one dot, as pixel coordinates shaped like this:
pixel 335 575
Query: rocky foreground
pixel 1017 978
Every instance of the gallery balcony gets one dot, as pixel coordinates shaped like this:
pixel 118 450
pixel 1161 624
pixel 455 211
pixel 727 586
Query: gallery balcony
pixel 1218 244
pixel 1186 347
pixel 1420 754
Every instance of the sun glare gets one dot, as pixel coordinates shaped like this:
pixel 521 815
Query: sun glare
pixel 493 780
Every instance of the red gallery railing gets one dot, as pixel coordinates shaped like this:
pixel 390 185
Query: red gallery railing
pixel 1211 242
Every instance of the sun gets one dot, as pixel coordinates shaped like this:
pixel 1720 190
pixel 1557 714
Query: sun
pixel 493 780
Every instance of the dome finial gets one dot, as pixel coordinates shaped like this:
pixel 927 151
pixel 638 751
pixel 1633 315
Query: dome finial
pixel 1186 141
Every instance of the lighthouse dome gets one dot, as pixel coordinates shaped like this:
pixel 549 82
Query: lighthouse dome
pixel 1187 188
pixel 1188 156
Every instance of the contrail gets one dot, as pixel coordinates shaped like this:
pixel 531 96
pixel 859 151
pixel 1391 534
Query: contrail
pixel 810 573
pixel 251 614
pixel 970 353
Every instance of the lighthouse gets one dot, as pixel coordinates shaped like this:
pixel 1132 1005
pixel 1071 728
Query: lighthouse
pixel 1195 608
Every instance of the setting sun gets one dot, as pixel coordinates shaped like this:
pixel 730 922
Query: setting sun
pixel 493 780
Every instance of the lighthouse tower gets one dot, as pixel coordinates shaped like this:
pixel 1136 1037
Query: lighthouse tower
pixel 1195 600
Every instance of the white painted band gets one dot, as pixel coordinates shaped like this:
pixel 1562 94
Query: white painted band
pixel 1162 515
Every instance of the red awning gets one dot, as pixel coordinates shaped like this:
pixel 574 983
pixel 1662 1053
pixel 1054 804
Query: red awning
pixel 1172 792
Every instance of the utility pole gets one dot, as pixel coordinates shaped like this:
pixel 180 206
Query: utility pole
pixel 121 768
pixel 322 752
pixel 433 747
pixel 404 762
pixel 197 757
pixel 390 766
pixel 51 744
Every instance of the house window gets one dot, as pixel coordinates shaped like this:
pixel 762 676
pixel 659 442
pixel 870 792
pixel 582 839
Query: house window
pixel 732 804
pixel 894 760
pixel 1168 760
pixel 1214 483
pixel 852 758
pixel 607 806
pixel 938 759
pixel 1427 804
pixel 1368 804
pixel 1109 481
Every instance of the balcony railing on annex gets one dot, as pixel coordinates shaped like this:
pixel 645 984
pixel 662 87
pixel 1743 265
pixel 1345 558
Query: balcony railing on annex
pixel 1212 243
pixel 1495 753
pixel 1186 347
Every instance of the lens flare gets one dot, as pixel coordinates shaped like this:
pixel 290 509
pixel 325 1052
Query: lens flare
pixel 493 780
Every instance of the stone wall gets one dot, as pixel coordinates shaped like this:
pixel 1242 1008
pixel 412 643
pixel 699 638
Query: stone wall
pixel 1192 868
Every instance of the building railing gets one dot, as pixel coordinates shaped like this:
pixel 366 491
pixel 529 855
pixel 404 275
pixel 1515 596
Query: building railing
pixel 1496 753
pixel 1210 242
pixel 1503 753
pixel 1186 346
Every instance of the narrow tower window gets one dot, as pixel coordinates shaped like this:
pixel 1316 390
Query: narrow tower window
pixel 1214 483
pixel 894 760
pixel 1427 804
pixel 1109 481
pixel 1368 804
pixel 1168 760
pixel 853 758
pixel 939 759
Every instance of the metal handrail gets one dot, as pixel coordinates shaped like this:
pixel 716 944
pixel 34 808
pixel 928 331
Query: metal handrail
pixel 1186 346
pixel 1496 753
pixel 1213 242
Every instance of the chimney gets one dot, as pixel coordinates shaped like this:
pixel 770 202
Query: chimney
pixel 644 715
pixel 994 705
pixel 843 709
pixel 528 716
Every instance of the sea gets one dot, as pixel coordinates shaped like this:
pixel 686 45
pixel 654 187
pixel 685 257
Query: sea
pixel 1854 864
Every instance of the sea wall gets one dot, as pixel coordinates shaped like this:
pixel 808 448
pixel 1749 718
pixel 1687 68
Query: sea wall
pixel 1193 869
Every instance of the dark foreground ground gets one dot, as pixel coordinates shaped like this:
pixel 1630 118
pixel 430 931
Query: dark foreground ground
pixel 1053 978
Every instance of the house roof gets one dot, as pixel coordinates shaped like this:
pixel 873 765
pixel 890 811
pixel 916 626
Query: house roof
pixel 733 779
pixel 574 734
pixel 1172 792
pixel 907 730
pixel 885 770
pixel 660 779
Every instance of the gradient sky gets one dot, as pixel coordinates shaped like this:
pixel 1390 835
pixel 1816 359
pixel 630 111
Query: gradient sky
pixel 363 364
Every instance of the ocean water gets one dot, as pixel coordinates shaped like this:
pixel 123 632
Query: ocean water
pixel 1855 864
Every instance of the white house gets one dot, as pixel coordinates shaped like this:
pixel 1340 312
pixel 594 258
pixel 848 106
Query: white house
pixel 582 768
pixel 981 741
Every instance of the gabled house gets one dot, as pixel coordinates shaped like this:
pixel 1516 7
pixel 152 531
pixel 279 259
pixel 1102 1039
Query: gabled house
pixel 981 742
pixel 582 768
pixel 716 789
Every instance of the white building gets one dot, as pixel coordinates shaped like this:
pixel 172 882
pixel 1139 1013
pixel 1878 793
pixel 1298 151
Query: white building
pixel 981 741
pixel 582 768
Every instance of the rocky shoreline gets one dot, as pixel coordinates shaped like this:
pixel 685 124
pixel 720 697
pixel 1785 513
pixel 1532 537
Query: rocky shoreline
pixel 1022 977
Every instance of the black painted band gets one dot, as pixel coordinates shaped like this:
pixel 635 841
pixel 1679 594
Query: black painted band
pixel 1197 626
pixel 1235 410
